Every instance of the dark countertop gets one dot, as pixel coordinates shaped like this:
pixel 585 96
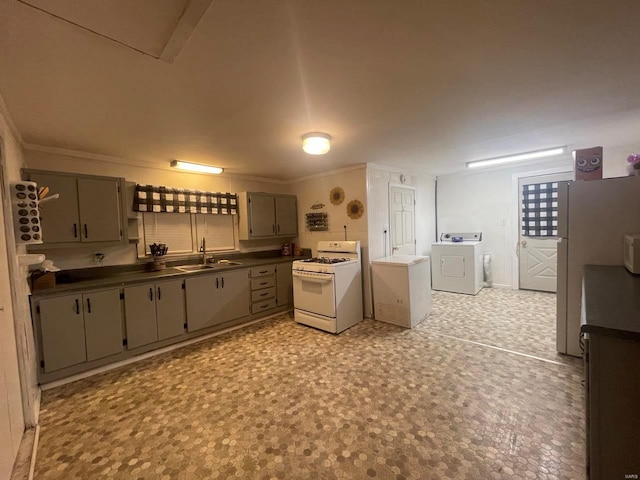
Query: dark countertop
pixel 611 302
pixel 105 277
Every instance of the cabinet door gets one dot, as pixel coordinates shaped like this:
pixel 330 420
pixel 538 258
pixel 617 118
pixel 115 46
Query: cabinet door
pixel 262 216
pixel 140 315
pixel 286 215
pixel 62 328
pixel 170 309
pixel 235 295
pixel 59 218
pixel 100 213
pixel 102 323
pixel 284 284
pixel 202 301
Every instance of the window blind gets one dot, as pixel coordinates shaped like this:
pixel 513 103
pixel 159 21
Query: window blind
pixel 217 230
pixel 170 229
pixel 540 210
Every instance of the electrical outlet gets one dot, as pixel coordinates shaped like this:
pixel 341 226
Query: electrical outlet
pixel 98 258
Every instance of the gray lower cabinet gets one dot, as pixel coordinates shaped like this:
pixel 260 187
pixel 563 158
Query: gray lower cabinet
pixel 80 328
pixel 284 283
pixel 153 311
pixel 216 299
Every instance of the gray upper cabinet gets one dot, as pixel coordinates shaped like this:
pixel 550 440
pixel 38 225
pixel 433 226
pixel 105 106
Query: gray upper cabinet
pixel 153 311
pixel 216 299
pixel 267 215
pixel 89 210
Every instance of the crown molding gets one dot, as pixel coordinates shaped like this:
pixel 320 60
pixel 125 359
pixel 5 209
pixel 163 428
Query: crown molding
pixel 337 171
pixel 405 171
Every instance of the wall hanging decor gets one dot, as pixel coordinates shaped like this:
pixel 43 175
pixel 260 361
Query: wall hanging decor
pixel 26 212
pixel 317 222
pixel 317 206
pixel 336 196
pixel 149 198
pixel 355 209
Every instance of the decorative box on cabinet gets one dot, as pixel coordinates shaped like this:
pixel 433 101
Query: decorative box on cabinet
pixel 267 215
pixel 90 209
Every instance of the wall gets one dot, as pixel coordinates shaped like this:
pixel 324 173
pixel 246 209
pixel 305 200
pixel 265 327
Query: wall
pixel 18 387
pixel 480 200
pixel 315 189
pixel 378 179
pixel 151 174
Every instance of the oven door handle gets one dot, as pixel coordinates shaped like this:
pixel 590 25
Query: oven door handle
pixel 314 278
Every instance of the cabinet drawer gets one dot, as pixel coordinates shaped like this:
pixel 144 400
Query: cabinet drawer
pixel 263 271
pixel 264 282
pixel 263 294
pixel 262 306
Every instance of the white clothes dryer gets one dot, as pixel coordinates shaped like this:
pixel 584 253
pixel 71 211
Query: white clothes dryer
pixel 457 263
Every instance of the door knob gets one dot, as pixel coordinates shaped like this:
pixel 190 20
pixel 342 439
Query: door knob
pixel 523 243
pixel 395 248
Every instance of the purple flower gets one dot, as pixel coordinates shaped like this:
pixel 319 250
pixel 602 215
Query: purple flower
pixel 634 158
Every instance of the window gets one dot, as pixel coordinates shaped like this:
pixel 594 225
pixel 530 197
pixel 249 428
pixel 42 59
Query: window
pixel 183 232
pixel 217 230
pixel 540 210
pixel 172 229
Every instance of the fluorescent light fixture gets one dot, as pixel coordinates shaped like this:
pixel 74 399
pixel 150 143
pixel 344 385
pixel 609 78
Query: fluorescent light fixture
pixel 550 152
pixel 196 167
pixel 316 143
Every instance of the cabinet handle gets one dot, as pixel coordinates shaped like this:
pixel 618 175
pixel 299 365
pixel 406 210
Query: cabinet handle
pixel 77 307
pixel 273 228
pixel 264 271
pixel 263 283
pixel 278 228
pixel 264 294
pixel 159 293
pixel 222 282
pixel 86 231
pixel 151 294
pixel 88 305
pixel 75 230
pixel 217 283
pixel 264 306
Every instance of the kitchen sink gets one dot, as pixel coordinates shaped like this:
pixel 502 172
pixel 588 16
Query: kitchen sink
pixel 208 266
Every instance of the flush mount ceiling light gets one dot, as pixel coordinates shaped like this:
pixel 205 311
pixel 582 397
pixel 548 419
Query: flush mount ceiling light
pixel 196 167
pixel 550 152
pixel 316 143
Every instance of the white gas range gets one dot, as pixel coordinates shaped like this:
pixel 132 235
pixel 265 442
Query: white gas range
pixel 327 289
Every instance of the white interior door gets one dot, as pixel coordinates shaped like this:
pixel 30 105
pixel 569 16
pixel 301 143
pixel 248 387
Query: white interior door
pixel 402 205
pixel 538 240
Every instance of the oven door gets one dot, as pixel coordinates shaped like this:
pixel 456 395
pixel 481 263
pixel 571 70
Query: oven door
pixel 314 292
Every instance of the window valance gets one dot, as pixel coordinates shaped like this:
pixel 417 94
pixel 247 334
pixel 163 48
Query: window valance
pixel 149 198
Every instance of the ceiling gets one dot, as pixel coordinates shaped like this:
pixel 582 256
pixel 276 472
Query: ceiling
pixel 421 85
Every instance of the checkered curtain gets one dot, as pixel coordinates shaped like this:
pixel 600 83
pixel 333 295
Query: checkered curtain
pixel 148 198
pixel 540 210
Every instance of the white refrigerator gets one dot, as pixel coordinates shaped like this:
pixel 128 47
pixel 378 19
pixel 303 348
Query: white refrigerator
pixel 593 217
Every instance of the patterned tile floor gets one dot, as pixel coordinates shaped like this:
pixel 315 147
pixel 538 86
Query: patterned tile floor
pixel 280 400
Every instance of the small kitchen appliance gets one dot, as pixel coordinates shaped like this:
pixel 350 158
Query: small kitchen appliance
pixel 327 289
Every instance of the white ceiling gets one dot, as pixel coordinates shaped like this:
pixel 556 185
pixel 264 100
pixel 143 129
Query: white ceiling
pixel 422 85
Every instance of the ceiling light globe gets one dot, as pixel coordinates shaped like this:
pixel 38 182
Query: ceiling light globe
pixel 316 143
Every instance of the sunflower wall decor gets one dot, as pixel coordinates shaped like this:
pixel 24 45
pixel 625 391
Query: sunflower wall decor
pixel 336 196
pixel 355 209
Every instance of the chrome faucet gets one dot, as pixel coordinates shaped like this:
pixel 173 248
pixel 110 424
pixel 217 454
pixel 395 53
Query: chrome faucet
pixel 204 251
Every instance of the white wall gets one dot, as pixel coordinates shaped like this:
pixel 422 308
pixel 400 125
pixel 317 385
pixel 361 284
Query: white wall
pixel 15 401
pixel 378 179
pixel 311 190
pixel 86 163
pixel 480 200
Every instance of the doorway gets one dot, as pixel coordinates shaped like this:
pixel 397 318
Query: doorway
pixel 537 246
pixel 402 206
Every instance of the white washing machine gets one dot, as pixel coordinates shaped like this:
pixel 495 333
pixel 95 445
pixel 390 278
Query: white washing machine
pixel 457 263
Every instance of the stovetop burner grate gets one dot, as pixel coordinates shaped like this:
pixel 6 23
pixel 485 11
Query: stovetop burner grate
pixel 326 260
